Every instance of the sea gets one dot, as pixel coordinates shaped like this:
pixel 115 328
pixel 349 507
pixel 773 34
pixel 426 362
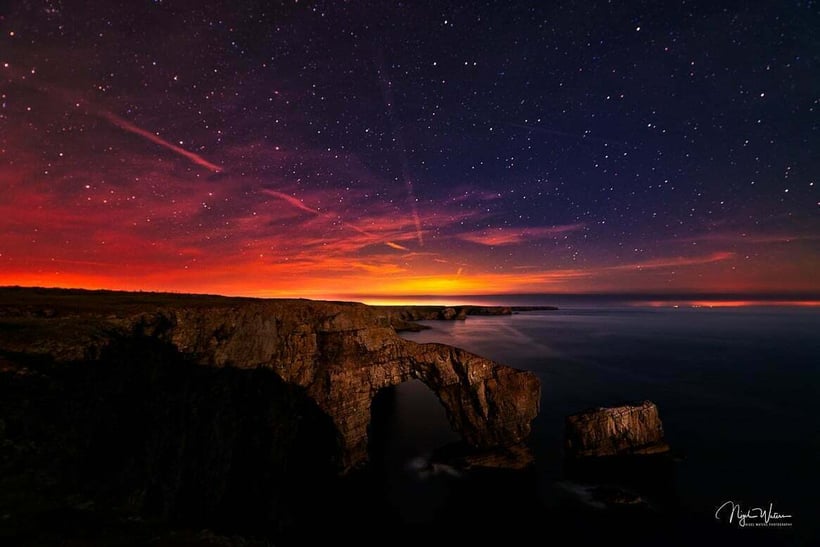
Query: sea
pixel 737 384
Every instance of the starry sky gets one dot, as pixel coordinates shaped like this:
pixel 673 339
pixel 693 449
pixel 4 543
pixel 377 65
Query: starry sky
pixel 330 149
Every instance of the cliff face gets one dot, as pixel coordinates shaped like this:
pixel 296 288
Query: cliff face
pixel 340 353
pixel 343 354
pixel 403 318
pixel 616 431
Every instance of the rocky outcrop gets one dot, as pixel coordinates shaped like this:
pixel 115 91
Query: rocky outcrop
pixel 341 354
pixel 615 431
pixel 402 318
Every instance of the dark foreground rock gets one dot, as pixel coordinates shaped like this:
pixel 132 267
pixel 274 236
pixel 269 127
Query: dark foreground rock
pixel 615 431
pixel 141 431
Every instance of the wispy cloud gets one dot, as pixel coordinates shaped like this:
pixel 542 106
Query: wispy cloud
pixel 69 98
pixel 674 262
pixel 394 245
pixel 131 128
pixel 291 200
pixel 513 236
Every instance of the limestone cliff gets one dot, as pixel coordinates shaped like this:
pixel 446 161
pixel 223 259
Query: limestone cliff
pixel 403 318
pixel 340 353
pixel 616 431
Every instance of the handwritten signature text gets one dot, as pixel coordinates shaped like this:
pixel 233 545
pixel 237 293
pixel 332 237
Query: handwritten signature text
pixel 753 516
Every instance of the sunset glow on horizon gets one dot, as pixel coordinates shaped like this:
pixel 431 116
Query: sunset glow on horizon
pixel 260 167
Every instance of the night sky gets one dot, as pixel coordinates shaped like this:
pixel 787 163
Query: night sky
pixel 337 148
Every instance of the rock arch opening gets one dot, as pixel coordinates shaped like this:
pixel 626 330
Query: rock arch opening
pixel 408 425
pixel 407 421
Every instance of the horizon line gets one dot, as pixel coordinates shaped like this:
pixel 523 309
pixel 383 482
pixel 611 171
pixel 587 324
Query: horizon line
pixel 781 297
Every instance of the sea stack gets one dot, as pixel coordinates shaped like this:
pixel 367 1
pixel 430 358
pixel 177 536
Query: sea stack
pixel 632 429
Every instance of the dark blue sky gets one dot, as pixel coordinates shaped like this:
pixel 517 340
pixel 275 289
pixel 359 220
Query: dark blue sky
pixel 419 147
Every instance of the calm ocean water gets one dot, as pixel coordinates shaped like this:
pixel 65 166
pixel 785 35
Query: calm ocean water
pixel 737 390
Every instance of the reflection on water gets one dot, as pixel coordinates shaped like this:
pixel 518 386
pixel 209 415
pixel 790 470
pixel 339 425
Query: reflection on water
pixel 736 389
pixel 408 425
pixel 424 500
